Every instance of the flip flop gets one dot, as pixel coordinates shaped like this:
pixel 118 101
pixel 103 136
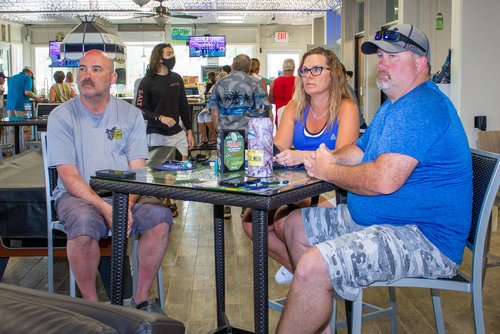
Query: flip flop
pixel 203 143
pixel 173 208
pixel 212 142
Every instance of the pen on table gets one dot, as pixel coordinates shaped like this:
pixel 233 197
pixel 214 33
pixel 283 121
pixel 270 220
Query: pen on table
pixel 275 183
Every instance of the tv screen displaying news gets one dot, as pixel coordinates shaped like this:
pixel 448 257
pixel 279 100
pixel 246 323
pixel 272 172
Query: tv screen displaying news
pixel 207 46
pixel 55 53
pixel 55 56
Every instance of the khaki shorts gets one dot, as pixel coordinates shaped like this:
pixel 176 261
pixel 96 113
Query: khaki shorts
pixel 358 255
pixel 179 141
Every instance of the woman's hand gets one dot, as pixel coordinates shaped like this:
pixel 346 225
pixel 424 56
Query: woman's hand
pixel 290 157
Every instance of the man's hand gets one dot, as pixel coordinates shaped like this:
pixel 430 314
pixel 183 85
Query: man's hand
pixel 168 121
pixel 319 162
pixel 130 221
pixel 107 212
pixel 190 139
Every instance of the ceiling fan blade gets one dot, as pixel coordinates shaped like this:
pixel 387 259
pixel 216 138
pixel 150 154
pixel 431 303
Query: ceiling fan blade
pixel 182 15
pixel 145 15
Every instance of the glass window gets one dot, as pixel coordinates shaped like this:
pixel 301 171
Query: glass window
pixel 43 73
pixel 184 65
pixel 274 61
pixel 391 10
pixel 361 17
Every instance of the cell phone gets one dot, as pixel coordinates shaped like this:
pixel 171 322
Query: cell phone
pixel 238 181
pixel 115 174
pixel 276 149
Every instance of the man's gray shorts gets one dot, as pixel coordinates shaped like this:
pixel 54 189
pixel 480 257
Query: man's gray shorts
pixel 82 219
pixel 358 255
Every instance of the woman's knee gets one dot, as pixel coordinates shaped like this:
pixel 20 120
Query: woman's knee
pixel 247 228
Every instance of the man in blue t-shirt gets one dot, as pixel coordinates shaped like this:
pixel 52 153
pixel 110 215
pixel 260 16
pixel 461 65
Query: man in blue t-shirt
pixel 409 178
pixel 20 92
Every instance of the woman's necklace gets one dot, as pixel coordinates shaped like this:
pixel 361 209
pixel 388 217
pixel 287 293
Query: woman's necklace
pixel 316 117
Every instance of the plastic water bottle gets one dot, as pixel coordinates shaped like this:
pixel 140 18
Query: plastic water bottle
pixel 28 110
pixel 260 144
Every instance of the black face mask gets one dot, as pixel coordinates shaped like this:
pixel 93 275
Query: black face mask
pixel 170 63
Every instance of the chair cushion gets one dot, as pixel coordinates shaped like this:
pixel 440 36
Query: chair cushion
pixel 62 314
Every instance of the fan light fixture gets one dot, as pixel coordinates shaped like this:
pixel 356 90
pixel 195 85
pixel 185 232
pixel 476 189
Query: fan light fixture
pixel 141 2
pixel 89 35
pixel 161 20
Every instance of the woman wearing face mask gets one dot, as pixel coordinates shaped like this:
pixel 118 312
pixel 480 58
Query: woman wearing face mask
pixel 162 99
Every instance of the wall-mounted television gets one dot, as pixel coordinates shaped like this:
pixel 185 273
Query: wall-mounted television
pixel 55 53
pixel 207 46
pixel 55 56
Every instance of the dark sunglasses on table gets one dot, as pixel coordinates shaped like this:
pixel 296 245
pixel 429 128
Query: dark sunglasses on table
pixel 394 36
pixel 315 71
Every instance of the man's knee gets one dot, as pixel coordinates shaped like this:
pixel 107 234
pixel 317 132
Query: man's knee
pixel 159 232
pixel 312 268
pixel 83 242
pixel 292 223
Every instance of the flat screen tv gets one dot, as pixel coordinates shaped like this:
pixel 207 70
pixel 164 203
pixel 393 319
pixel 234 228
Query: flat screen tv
pixel 207 46
pixel 55 56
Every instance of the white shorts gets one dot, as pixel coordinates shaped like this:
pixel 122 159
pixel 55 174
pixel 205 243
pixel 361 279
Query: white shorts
pixel 204 116
pixel 179 141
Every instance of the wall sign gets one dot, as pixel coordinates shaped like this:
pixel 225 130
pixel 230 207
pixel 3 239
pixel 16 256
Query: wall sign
pixel 181 33
pixel 281 37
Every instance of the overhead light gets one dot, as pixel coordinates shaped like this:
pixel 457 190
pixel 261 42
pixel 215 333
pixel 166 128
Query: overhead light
pixel 141 2
pixel 231 18
pixel 144 59
pixel 89 35
pixel 161 20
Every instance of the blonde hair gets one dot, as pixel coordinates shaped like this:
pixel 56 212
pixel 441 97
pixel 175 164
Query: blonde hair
pixel 339 88
pixel 255 65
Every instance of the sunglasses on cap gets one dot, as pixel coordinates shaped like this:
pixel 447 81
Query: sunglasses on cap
pixel 394 36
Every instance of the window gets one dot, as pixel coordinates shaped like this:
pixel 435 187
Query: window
pixel 274 61
pixel 43 73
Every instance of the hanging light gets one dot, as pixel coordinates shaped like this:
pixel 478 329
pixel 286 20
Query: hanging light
pixel 141 2
pixel 48 61
pixel 89 35
pixel 144 59
pixel 161 20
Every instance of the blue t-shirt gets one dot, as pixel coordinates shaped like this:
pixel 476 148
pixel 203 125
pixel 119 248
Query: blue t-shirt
pixel 437 197
pixel 311 142
pixel 18 84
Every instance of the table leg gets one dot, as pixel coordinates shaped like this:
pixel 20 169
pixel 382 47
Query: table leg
pixel 260 271
pixel 219 264
pixel 119 246
pixel 17 146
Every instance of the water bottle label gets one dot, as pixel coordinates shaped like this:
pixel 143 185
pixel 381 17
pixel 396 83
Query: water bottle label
pixel 256 158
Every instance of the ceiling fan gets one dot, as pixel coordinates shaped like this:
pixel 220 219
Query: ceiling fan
pixel 161 13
